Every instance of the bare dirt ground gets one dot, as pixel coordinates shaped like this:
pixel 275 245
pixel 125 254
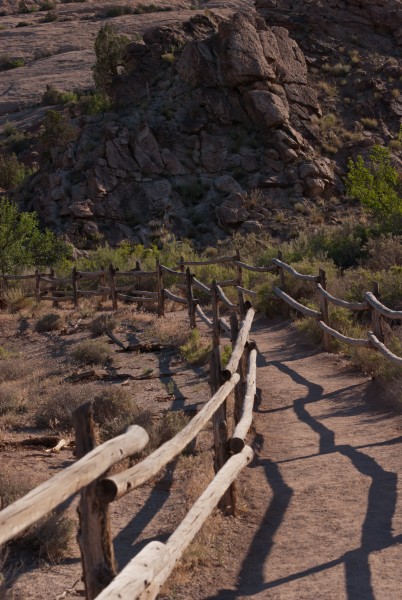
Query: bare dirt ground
pixel 320 510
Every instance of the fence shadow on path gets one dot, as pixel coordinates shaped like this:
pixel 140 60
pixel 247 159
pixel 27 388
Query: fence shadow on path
pixel 376 532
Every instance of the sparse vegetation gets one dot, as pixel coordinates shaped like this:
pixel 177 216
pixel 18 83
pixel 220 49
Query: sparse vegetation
pixel 195 351
pixel 49 322
pixel 108 49
pixel 91 352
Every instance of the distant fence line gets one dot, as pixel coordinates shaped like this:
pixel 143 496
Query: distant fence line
pixel 46 289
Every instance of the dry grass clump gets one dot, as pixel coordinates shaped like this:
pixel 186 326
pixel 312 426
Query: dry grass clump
pixel 60 401
pixel 12 369
pixel 50 537
pixel 91 352
pixel 49 322
pixel 13 398
pixel 167 331
pixel 101 323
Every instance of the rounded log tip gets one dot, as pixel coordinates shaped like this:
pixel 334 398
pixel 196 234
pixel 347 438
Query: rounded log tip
pixel 236 445
pixel 226 374
pixel 247 305
pixel 251 345
pixel 107 490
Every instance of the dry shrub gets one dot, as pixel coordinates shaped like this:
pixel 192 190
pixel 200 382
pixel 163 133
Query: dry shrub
pixel 101 323
pixel 59 404
pixel 167 331
pixel 49 537
pixel 12 369
pixel 383 252
pixel 12 398
pixel 91 352
pixel 49 322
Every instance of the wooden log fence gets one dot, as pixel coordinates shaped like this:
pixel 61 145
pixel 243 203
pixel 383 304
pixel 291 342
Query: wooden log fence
pixel 233 386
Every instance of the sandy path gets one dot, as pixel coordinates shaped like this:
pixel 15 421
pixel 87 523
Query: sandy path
pixel 325 517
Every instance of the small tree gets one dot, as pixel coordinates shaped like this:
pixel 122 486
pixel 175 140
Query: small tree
pixel 376 185
pixel 108 49
pixel 57 130
pixel 22 243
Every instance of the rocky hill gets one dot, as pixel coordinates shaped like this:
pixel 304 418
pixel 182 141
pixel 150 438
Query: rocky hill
pixel 231 122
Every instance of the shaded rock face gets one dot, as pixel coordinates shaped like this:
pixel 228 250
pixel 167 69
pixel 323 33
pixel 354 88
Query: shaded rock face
pixel 211 110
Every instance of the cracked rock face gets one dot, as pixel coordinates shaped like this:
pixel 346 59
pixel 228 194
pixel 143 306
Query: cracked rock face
pixel 231 112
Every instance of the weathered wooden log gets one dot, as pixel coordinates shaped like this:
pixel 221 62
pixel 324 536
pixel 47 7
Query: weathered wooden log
pixel 136 298
pixel 112 285
pixel 224 326
pixel 172 272
pixel 203 316
pixel 383 310
pixel 342 303
pixel 212 261
pixel 94 533
pixel 182 537
pixel 90 274
pixel 292 271
pixel 92 292
pixel 18 277
pixel 138 574
pixel 243 265
pixel 118 485
pixel 175 298
pixel 397 360
pixel 236 442
pixel 201 286
pixel 323 304
pixel 44 498
pixel 224 298
pixel 344 338
pixel 308 312
pixel 56 280
pixel 241 341
pixel 246 291
pixel 227 283
pixel 57 298
pixel 135 273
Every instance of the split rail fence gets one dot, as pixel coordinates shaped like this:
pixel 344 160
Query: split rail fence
pixel 230 407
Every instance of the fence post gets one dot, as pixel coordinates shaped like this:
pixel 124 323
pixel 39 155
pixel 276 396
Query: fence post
pixel 37 285
pixel 181 264
pixel 239 396
pixel 282 281
pixel 112 284
pixel 220 427
pixel 94 535
pixel 161 293
pixel 323 302
pixel 75 287
pixel 190 299
pixel 102 283
pixel 53 289
pixel 376 318
pixel 138 282
pixel 240 294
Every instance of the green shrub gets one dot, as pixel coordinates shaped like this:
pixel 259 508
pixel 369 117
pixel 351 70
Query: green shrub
pixel 57 130
pixel 94 104
pixel 50 17
pixel 114 402
pixel 7 63
pixel 12 172
pixel 53 96
pixel 376 184
pixel 109 47
pixel 195 351
pixel 91 352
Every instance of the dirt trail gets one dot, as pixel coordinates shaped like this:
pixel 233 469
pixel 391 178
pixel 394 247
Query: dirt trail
pixel 325 517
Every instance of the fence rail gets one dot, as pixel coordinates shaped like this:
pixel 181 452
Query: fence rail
pixel 234 385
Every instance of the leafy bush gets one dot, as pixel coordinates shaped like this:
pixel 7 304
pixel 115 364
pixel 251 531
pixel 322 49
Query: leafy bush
pixel 94 104
pixel 108 49
pixel 23 244
pixel 57 130
pixel 12 172
pixel 377 186
pixel 91 352
pixel 195 351
pixel 53 96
